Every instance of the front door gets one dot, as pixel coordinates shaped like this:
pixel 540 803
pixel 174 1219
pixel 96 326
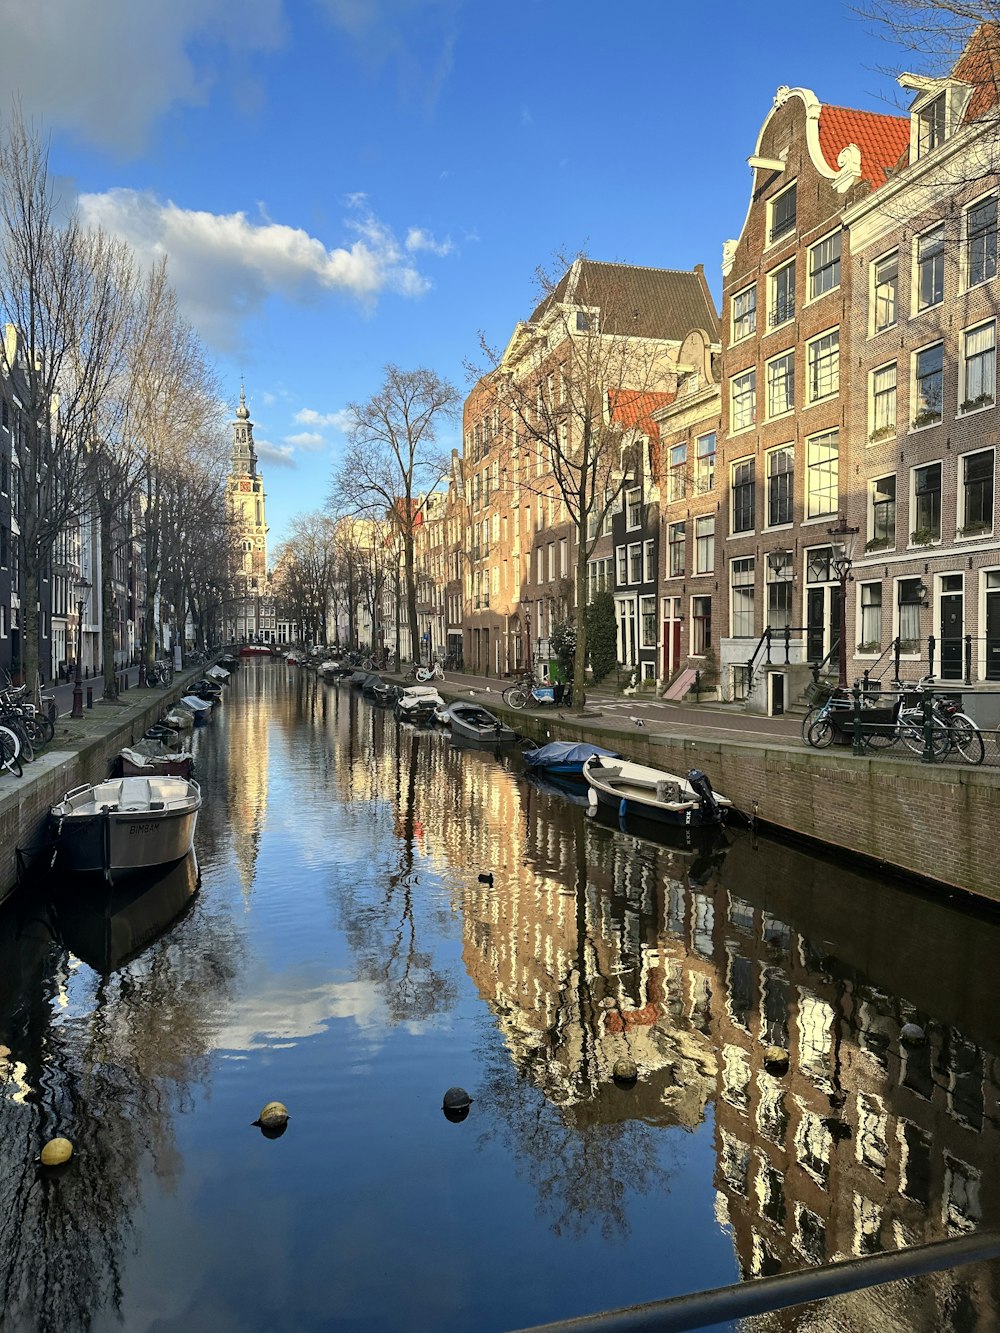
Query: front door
pixel 951 627
pixel 816 624
pixel 993 634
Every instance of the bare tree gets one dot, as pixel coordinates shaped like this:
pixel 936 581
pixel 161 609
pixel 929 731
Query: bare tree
pixel 392 461
pixel 305 573
pixel 563 392
pixel 64 306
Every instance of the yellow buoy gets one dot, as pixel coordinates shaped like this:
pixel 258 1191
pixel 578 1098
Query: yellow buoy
pixel 57 1152
pixel 273 1118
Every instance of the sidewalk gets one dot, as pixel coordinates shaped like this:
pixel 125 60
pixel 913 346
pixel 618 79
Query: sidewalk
pixel 609 709
pixel 63 692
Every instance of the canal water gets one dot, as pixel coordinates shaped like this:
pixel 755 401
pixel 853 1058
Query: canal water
pixel 343 953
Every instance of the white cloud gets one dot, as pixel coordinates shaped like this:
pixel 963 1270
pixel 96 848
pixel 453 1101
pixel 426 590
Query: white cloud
pixel 419 239
pixel 106 72
pixel 279 454
pixel 306 439
pixel 341 420
pixel 226 266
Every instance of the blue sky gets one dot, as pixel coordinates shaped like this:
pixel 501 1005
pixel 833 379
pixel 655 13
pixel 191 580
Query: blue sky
pixel 342 183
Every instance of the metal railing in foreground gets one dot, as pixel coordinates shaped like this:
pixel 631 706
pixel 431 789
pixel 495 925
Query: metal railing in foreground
pixel 762 1295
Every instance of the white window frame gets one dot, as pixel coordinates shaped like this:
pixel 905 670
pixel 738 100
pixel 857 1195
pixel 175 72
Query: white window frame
pixel 912 511
pixel 963 462
pixel 749 395
pixel 788 353
pixel 873 290
pixel 834 373
pixel 704 480
pixel 814 470
pixel 878 397
pixel 644 599
pixel 676 471
pixel 811 295
pixel 915 356
pixel 704 543
pixel 787 448
pixel 751 568
pixel 648 560
pixel 916 307
pixel 989 384
pixel 634 562
pixel 621 566
pixel 773 311
pixel 872 491
pixel 749 316
pixel 676 543
pixel 630 504
pixel 771 205
pixel 967 212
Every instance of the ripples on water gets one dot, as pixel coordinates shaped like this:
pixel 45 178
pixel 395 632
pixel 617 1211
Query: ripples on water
pixel 342 956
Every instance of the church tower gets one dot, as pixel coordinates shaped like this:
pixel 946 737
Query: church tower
pixel 252 618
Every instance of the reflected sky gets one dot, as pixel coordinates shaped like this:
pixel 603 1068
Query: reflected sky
pixel 341 954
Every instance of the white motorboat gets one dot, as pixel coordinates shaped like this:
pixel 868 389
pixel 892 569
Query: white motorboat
pixel 126 824
pixel 200 708
pixel 418 703
pixel 217 673
pixel 633 789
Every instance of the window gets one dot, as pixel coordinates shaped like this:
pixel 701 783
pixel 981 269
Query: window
pixel 822 465
pixel 704 544
pixel 675 550
pixel 621 574
pixel 871 617
pixel 979 367
pixel 741 584
pixel 633 508
pixel 930 267
pixel 782 213
pixel 705 463
pixel 782 293
pixel 563 558
pixel 883 402
pixel 824 266
pixel 780 474
pixel 743 496
pixel 885 286
pixel 744 400
pixel 823 366
pixel 744 314
pixel 781 384
pixel 928 385
pixel 883 513
pixel 701 626
pixel 552 560
pixel 977 477
pixel 647 622
pixel 648 561
pixel 926 504
pixel 930 126
pixel 677 474
pixel 635 563
pixel 779 589
pixel 909 613
pixel 981 241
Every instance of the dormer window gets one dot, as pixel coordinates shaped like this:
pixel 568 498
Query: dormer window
pixel 931 125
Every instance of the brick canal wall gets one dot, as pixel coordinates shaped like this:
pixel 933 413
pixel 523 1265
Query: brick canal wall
pixel 25 802
pixel 935 821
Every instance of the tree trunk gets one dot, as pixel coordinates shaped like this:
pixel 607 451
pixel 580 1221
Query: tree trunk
pixel 411 596
pixel 29 625
pixel 107 606
pixel 580 660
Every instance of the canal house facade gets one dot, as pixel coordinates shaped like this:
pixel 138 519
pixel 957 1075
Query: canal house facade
pixel 924 415
pixel 785 455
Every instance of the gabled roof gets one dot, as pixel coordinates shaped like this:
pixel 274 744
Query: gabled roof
pixel 647 302
pixel 979 64
pixel 882 139
pixel 633 408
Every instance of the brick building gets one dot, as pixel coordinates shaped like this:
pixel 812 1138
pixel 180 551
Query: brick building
pixel 783 449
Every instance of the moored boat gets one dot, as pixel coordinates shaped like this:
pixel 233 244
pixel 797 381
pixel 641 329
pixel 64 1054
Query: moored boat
pixel 200 708
pixel 564 759
pixel 418 703
pixel 634 789
pixel 255 650
pixel 126 824
pixel 139 763
pixel 472 722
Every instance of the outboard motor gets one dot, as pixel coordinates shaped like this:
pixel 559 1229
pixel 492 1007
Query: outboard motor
pixel 711 812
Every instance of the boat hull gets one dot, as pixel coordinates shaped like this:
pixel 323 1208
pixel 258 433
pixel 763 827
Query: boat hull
pixel 126 825
pixel 632 790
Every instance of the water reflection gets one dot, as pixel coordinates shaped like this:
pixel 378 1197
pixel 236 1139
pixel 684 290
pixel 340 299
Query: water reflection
pixel 342 916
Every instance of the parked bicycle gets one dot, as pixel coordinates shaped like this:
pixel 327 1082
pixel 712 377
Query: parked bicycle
pixel 160 673
pixel 537 695
pixel 905 720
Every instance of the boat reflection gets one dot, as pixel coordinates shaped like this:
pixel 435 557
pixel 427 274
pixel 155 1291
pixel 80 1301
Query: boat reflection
pixel 106 927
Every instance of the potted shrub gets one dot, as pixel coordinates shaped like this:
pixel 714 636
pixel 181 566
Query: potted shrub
pixel 922 537
pixel 871 647
pixel 974 529
pixel 883 433
pixel 909 645
pixel 980 400
pixel 927 416
pixel 879 544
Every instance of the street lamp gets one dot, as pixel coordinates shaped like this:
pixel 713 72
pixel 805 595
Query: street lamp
pixel 841 562
pixel 81 588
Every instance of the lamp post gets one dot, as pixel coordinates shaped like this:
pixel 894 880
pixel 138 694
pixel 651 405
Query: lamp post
pixel 81 588
pixel 841 562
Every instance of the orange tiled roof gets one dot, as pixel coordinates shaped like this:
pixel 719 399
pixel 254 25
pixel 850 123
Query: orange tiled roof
pixel 882 139
pixel 632 407
pixel 979 64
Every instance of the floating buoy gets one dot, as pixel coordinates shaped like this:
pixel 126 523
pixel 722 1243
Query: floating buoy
pixel 487 879
pixel 912 1033
pixel 625 1073
pixel 456 1104
pixel 273 1120
pixel 56 1152
pixel 776 1060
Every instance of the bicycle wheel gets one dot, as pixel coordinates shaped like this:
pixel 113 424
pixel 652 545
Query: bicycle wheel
pixel 9 756
pixel 967 739
pixel 516 697
pixel 27 750
pixel 911 733
pixel 811 717
pixel 821 733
